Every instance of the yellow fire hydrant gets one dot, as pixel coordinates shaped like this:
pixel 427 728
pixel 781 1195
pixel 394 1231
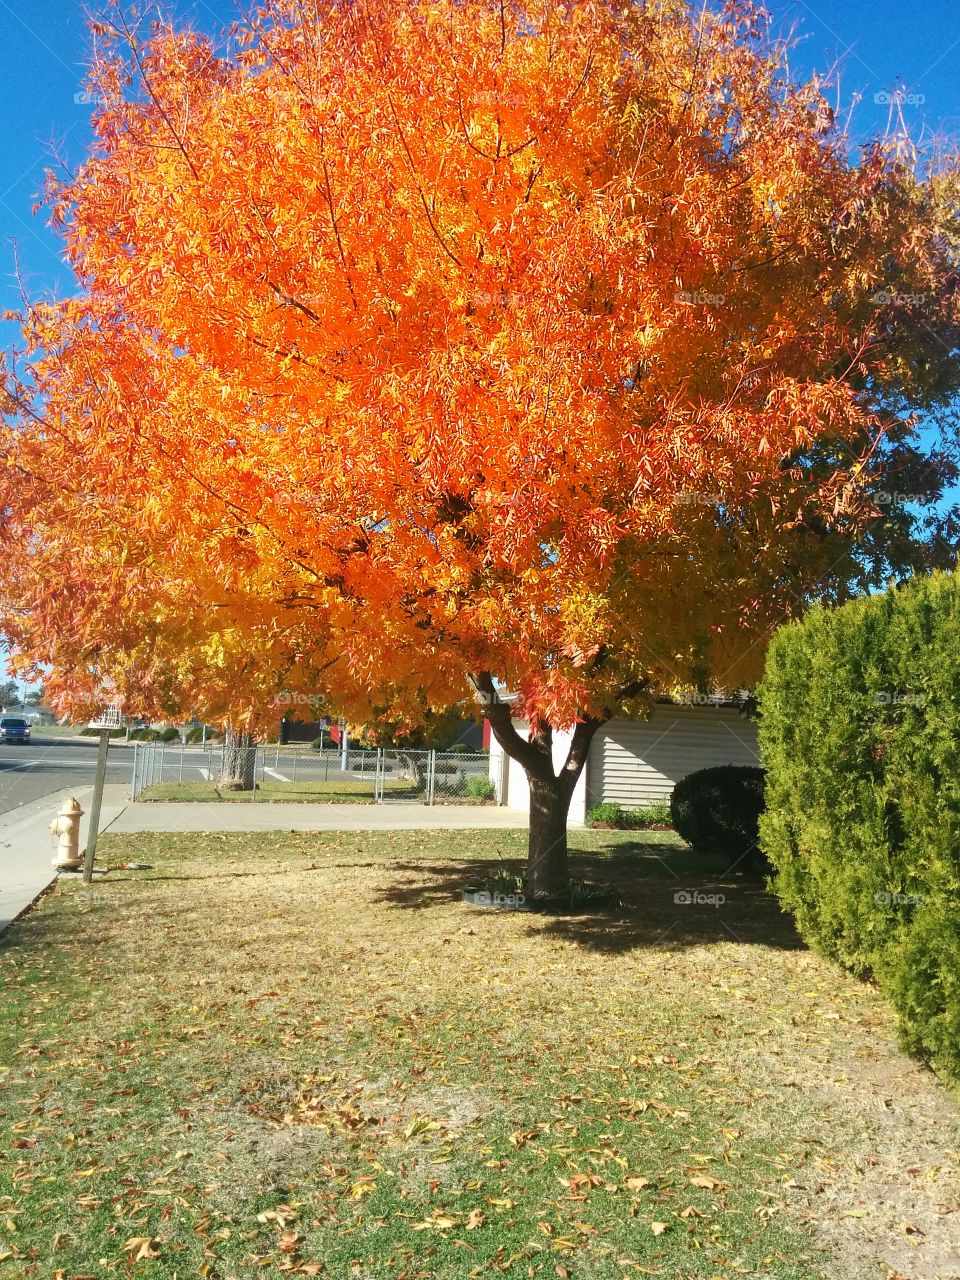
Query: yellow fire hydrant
pixel 66 825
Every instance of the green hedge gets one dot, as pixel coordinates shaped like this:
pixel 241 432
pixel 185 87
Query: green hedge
pixel 860 738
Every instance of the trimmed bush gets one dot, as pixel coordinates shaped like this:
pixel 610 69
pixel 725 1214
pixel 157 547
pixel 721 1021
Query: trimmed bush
pixel 858 735
pixel 717 811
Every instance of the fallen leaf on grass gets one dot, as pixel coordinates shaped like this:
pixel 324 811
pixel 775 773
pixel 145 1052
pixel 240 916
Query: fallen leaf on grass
pixel 142 1248
pixel 281 1215
pixel 658 1228
pixel 420 1124
pixel 582 1180
pixel 439 1222
pixel 710 1184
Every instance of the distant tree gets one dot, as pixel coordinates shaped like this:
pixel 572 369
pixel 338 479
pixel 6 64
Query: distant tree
pixel 10 694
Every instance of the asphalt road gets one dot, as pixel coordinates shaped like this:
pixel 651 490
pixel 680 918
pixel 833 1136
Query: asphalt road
pixel 58 762
pixel 53 764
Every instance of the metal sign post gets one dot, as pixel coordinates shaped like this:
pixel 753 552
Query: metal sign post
pixel 111 719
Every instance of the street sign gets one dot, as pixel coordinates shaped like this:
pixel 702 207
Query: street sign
pixel 109 718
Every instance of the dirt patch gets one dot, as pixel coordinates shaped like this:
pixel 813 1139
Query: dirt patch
pixel 886 1203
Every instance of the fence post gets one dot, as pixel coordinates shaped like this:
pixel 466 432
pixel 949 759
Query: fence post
pixel 133 776
pixel 431 776
pixel 294 764
pixel 182 749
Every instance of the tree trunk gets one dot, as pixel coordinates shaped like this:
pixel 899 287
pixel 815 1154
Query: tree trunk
pixel 551 790
pixel 547 869
pixel 239 761
pixel 415 764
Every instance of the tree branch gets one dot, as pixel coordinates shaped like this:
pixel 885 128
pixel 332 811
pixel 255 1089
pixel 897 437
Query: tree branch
pixel 583 735
pixel 533 758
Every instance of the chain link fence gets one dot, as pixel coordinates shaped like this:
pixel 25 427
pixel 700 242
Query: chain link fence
pixel 171 771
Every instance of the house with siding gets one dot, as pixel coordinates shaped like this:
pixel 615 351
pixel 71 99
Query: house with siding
pixel 633 762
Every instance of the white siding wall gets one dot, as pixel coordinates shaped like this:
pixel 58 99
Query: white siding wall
pixel 511 781
pixel 634 761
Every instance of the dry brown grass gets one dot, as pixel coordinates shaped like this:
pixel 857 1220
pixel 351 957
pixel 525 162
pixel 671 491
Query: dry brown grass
pixel 315 1021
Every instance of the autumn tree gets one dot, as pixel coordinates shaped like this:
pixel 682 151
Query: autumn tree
pixel 553 349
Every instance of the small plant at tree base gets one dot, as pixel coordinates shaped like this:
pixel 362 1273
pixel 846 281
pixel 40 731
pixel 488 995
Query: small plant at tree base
pixel 318 744
pixel 580 893
pixel 481 789
pixel 717 811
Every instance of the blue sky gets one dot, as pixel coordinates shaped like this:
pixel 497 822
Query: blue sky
pixel 877 45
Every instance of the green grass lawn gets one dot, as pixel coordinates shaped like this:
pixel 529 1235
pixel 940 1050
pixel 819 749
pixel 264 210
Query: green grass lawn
pixel 274 791
pixel 300 1054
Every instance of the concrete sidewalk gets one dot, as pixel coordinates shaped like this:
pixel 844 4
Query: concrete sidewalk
pixel 245 815
pixel 27 848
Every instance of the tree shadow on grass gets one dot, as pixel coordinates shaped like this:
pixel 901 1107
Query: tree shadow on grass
pixel 670 901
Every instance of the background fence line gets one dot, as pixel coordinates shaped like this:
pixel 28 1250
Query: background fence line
pixel 381 776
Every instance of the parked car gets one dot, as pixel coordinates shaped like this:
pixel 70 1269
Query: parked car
pixel 14 729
